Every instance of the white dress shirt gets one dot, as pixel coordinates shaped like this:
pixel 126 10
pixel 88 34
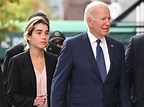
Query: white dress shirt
pixel 104 47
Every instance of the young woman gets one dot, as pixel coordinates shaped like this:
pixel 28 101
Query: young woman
pixel 31 71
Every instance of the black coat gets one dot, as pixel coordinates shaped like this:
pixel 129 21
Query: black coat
pixel 3 101
pixel 52 48
pixel 135 68
pixel 8 54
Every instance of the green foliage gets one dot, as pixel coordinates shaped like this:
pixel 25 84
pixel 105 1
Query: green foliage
pixel 3 2
pixel 13 11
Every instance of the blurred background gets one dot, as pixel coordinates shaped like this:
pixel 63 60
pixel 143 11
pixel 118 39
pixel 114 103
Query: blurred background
pixel 67 17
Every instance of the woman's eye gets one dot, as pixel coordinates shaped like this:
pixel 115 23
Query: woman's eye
pixel 47 33
pixel 39 33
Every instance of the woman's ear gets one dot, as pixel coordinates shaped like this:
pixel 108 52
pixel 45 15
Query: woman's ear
pixel 28 37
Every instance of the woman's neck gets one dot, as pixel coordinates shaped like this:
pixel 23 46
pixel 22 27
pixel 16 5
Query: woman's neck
pixel 36 54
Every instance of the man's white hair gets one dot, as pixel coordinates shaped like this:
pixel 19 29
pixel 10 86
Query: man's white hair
pixel 89 8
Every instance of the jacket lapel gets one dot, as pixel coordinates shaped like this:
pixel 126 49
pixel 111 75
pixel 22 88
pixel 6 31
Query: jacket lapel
pixel 88 50
pixel 49 69
pixel 48 73
pixel 30 70
pixel 111 47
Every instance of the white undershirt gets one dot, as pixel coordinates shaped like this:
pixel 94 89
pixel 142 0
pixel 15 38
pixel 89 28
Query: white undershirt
pixel 104 47
pixel 41 81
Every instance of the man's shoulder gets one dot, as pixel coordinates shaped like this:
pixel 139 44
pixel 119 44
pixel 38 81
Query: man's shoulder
pixel 52 45
pixel 113 40
pixel 138 37
pixel 52 48
pixel 77 37
pixel 16 48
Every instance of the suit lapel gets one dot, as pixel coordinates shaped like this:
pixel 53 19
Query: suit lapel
pixel 30 70
pixel 88 50
pixel 111 47
pixel 49 70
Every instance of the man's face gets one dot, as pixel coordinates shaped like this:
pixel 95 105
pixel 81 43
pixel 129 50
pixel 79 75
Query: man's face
pixel 99 24
pixel 58 42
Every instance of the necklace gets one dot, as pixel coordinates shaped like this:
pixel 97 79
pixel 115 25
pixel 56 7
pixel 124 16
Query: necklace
pixel 40 62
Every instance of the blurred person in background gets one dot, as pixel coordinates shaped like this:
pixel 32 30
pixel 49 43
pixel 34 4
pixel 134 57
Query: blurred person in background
pixel 55 42
pixel 134 58
pixel 3 100
pixel 31 71
pixel 57 38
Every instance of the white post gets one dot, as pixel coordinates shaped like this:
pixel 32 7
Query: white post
pixel 140 18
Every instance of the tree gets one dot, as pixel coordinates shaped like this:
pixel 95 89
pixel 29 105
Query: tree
pixel 13 12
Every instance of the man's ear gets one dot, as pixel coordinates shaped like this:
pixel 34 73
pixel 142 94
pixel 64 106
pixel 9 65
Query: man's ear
pixel 89 21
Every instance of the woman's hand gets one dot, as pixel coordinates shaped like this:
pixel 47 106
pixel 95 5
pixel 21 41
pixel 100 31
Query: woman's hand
pixel 40 99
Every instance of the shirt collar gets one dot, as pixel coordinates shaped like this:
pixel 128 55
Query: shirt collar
pixel 93 39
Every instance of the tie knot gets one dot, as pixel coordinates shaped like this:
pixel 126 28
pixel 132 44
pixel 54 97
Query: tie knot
pixel 98 41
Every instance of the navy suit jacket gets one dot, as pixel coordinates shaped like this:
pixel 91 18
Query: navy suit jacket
pixel 22 80
pixel 77 82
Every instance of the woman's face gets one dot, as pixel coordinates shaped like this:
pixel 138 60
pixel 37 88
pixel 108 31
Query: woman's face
pixel 40 36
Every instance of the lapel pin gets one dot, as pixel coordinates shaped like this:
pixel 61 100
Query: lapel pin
pixel 112 45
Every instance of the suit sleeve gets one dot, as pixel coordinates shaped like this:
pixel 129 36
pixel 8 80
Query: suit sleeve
pixel 124 92
pixel 129 57
pixel 60 80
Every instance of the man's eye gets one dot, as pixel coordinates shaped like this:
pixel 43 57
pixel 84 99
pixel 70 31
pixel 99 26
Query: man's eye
pixel 102 18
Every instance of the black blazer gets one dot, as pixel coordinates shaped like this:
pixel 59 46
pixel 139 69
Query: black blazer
pixel 22 80
pixel 52 48
pixel 3 101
